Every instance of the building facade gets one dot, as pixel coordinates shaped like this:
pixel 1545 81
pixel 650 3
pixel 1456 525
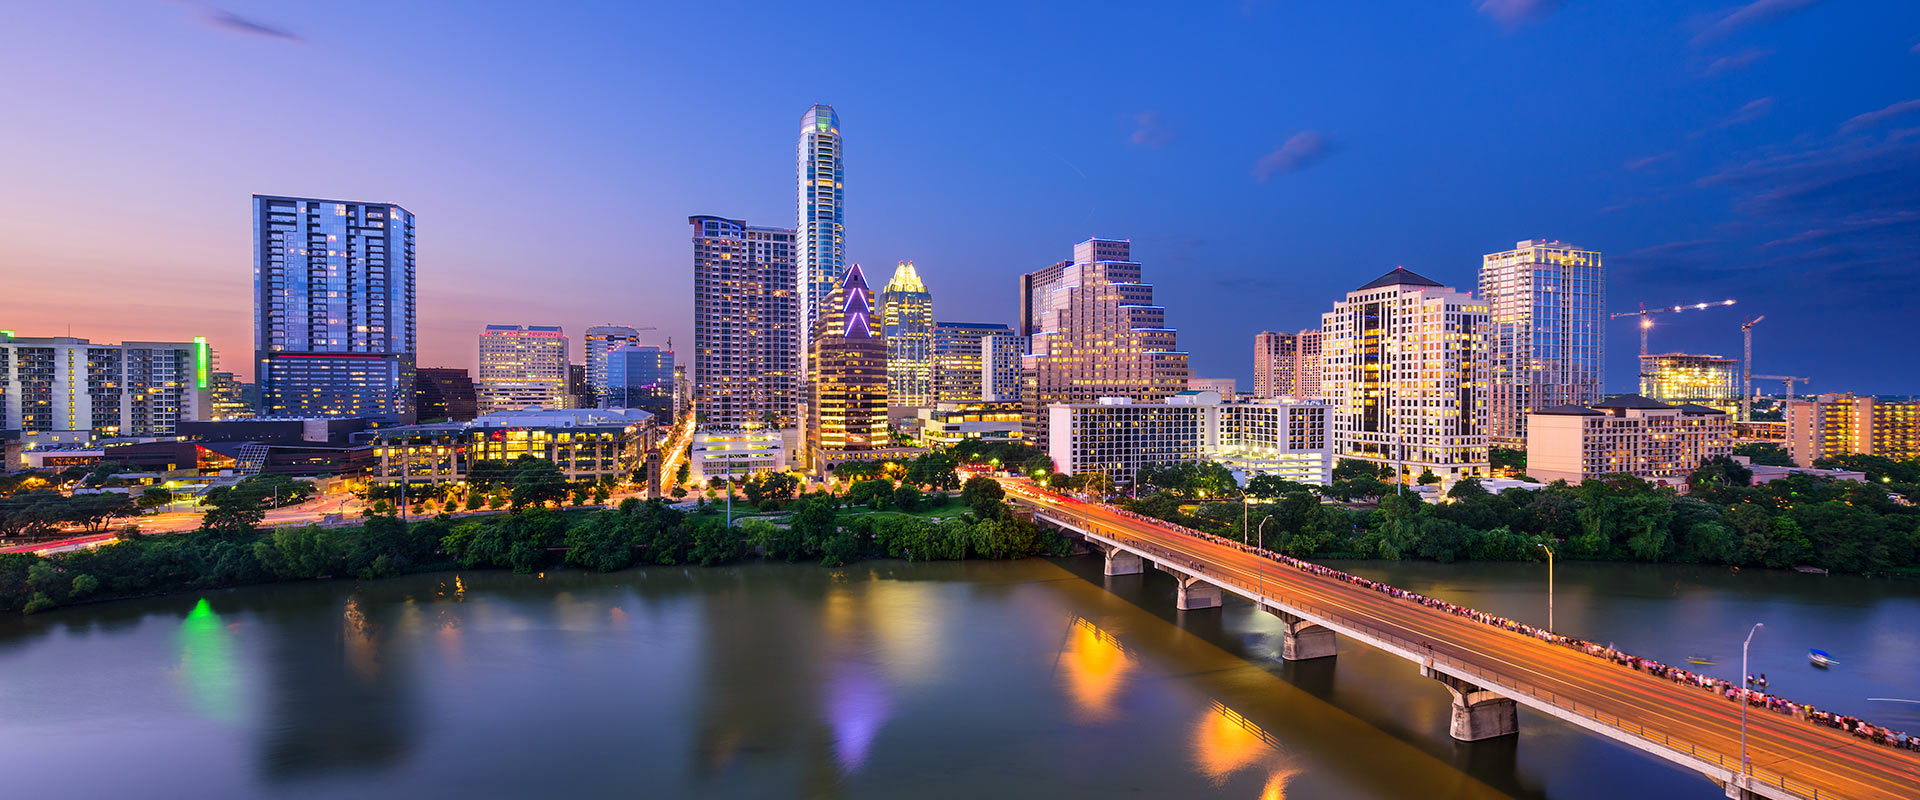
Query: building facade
pixel 640 377
pixel 333 298
pixel 736 453
pixel 957 371
pixel 1841 424
pixel 1116 436
pixel 1307 365
pixel 586 444
pixel 1547 302
pixel 63 384
pixel 819 235
pixel 1627 435
pixel 522 366
pixel 1095 333
pixel 595 344
pixel 847 376
pixel 949 424
pixel 1676 378
pixel 1274 364
pixel 1404 368
pixel 746 325
pixel 1226 387
pixel 1000 360
pixel 445 393
pixel 906 311
pixel 228 396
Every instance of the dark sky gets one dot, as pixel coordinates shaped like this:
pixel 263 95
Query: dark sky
pixel 1264 157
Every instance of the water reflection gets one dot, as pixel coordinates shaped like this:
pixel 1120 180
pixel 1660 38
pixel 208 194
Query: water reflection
pixel 206 664
pixel 1095 667
pixel 344 703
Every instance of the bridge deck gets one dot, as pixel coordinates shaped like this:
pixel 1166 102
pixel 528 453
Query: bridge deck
pixel 1680 722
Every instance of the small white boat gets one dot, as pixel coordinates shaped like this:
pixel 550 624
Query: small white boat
pixel 1821 659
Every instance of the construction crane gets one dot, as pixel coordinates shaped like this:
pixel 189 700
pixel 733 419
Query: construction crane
pixel 1789 380
pixel 1646 322
pixel 1746 369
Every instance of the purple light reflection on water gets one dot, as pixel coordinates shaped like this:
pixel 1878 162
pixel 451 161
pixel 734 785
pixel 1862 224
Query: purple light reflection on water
pixel 856 707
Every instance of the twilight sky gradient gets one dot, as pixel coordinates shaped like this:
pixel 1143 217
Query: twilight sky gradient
pixel 1264 156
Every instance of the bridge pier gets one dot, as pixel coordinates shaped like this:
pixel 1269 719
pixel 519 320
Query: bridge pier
pixel 1303 640
pixel 1119 562
pixel 1477 713
pixel 1194 593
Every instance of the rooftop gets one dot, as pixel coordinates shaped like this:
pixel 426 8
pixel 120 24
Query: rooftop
pixel 1630 401
pixel 1400 276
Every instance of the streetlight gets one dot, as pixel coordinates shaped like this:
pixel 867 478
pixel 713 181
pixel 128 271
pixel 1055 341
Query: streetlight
pixel 1746 768
pixel 1549 585
pixel 1260 577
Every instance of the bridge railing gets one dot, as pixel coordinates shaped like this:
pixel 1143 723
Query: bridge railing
pixel 1499 683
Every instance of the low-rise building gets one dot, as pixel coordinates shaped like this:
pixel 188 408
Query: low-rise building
pixel 949 424
pixel 1625 435
pixel 586 444
pixel 737 452
pixel 1118 436
pixel 1842 424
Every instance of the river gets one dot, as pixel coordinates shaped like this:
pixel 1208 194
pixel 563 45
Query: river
pixel 949 680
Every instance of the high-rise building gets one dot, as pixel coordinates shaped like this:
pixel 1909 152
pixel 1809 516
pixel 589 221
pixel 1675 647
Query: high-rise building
pixel 1000 357
pixel 522 366
pixel 1306 365
pixel 746 325
pixel 445 393
pixel 1841 424
pixel 594 345
pixel 640 377
pixel 228 397
pixel 847 375
pixel 333 297
pixel 578 393
pixel 956 360
pixel 1117 437
pixel 1548 302
pixel 1677 378
pixel 63 384
pixel 1626 435
pixel 1405 372
pixel 906 311
pixel 1273 363
pixel 819 235
pixel 1095 333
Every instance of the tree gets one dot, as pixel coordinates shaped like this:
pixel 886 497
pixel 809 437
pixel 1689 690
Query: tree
pixel 1058 481
pixel 935 471
pixel 814 519
pixel 153 497
pixel 538 482
pixel 715 543
pixel 231 512
pixel 1039 465
pixel 906 499
pixel 1427 478
pixel 300 553
pixel 1764 454
pixel 984 496
pixel 1507 459
pixel 875 493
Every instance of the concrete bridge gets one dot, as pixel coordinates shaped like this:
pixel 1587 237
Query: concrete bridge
pixel 1491 671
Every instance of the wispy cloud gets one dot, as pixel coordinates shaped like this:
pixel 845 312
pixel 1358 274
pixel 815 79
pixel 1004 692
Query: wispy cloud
pixel 1641 164
pixel 226 21
pixel 1754 13
pixel 1151 130
pixel 1737 61
pixel 1750 112
pixel 1513 13
pixel 1873 118
pixel 1298 153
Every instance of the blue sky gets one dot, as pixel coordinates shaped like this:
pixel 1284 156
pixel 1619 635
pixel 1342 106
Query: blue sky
pixel 1264 157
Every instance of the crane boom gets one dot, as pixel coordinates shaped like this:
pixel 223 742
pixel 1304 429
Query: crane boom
pixel 1646 322
pixel 1746 368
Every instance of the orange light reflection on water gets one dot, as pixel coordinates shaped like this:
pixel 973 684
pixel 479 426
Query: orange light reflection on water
pixel 1095 669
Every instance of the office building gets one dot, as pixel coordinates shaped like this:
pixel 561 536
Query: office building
pixel 1547 302
pixel 586 444
pixel 1095 332
pixel 1000 359
pixel 819 235
pixel 522 366
pixel 1117 436
pixel 746 325
pixel 228 397
pixel 847 376
pixel 640 377
pixel 62 384
pixel 949 424
pixel 1274 355
pixel 1225 387
pixel 1677 378
pixel 906 311
pixel 1841 424
pixel 333 299
pixel 1626 435
pixel 1404 370
pixel 445 393
pixel 579 395
pixel 957 371
pixel 594 346
pixel 735 453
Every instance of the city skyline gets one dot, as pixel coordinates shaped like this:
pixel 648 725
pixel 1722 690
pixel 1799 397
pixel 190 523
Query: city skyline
pixel 1750 152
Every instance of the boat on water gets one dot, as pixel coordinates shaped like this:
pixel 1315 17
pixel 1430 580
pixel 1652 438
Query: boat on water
pixel 1705 661
pixel 1821 658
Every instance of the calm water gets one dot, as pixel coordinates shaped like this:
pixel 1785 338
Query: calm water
pixel 888 680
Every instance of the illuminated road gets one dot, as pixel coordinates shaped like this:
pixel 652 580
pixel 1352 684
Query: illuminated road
pixel 1679 722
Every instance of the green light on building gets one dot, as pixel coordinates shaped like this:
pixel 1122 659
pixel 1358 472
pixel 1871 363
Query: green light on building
pixel 201 358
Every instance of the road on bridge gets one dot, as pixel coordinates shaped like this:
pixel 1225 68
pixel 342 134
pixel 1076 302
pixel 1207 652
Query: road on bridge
pixel 1813 758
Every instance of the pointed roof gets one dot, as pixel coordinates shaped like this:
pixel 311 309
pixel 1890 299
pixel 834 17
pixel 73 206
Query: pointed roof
pixel 1400 276
pixel 856 303
pixel 905 279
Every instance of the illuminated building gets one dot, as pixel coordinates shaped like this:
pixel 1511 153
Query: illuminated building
pixel 586 444
pixel 1842 424
pixel 847 375
pixel 906 313
pixel 522 366
pixel 1547 302
pixel 1095 333
pixel 595 344
pixel 746 325
pixel 333 295
pixel 819 235
pixel 1116 436
pixel 957 353
pixel 64 384
pixel 1626 435
pixel 1000 357
pixel 1307 365
pixel 1225 386
pixel 736 453
pixel 949 424
pixel 228 397
pixel 445 393
pixel 1404 369
pixel 1287 364
pixel 1685 378
pixel 640 377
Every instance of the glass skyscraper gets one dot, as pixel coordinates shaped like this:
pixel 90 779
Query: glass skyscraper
pixel 1548 302
pixel 819 243
pixel 906 312
pixel 333 294
pixel 640 377
pixel 598 342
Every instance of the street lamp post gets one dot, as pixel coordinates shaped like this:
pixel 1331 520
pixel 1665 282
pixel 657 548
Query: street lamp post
pixel 1549 585
pixel 1746 768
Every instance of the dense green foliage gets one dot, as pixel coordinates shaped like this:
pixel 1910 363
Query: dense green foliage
pixel 1768 455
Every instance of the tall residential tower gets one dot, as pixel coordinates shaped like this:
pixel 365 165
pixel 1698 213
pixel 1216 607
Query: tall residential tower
pixel 746 325
pixel 819 235
pixel 1548 301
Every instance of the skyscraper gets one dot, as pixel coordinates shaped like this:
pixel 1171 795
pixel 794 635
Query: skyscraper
pixel 906 311
pixel 1274 355
pixel 847 377
pixel 1679 378
pixel 819 241
pixel 522 366
pixel 1306 365
pixel 1548 301
pixel 333 298
pixel 1405 372
pixel 1000 357
pixel 956 361
pixel 640 377
pixel 594 345
pixel 1096 333
pixel 746 324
